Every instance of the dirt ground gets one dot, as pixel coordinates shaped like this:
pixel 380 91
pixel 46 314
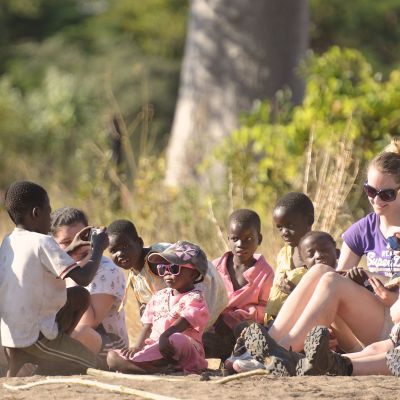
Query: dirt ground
pixel 190 387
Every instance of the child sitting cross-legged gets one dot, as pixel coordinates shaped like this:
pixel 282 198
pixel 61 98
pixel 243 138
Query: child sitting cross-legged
pixel 127 250
pixel 293 216
pixel 174 319
pixel 37 312
pixel 248 280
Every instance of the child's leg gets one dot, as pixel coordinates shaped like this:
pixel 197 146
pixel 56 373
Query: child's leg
pixel 188 353
pixel 117 363
pixel 78 300
pixel 297 301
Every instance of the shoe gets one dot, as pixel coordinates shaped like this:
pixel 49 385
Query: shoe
pixel 260 345
pixel 228 364
pixel 255 341
pixel 393 361
pixel 320 360
pixel 278 367
pixel 245 365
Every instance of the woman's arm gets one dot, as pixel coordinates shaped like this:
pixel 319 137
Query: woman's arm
pixel 348 259
pixel 100 305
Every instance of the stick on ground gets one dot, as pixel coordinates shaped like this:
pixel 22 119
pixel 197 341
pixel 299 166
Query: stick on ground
pixel 240 376
pixel 118 375
pixel 112 388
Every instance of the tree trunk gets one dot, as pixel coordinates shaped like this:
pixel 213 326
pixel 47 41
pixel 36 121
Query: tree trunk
pixel 236 52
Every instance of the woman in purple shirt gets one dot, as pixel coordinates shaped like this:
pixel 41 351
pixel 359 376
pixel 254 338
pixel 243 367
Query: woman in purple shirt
pixel 324 297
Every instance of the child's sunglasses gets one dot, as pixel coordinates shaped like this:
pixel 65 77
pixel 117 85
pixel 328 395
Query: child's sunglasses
pixel 386 195
pixel 173 269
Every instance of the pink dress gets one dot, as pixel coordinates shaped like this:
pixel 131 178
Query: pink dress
pixel 248 302
pixel 164 308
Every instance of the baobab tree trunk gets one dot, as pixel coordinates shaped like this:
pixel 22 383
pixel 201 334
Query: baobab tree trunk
pixel 236 52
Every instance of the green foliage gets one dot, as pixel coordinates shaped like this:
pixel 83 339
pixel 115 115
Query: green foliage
pixel 373 27
pixel 343 98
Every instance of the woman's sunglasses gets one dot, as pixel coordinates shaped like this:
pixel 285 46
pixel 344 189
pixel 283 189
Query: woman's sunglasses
pixel 386 195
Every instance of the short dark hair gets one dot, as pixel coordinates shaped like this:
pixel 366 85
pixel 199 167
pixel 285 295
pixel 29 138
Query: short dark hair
pixel 317 234
pixel 67 216
pixel 244 216
pixel 22 197
pixel 124 227
pixel 297 202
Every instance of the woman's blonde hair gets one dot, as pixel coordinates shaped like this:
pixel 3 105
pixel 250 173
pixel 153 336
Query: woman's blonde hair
pixel 388 161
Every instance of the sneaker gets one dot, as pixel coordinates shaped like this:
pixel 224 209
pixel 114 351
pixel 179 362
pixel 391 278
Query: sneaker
pixel 260 345
pixel 393 361
pixel 246 365
pixel 320 360
pixel 228 364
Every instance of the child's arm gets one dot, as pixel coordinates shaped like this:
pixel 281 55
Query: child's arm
pixel 143 335
pixel 84 275
pixel 166 348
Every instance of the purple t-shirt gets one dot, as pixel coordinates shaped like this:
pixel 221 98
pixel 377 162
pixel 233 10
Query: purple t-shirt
pixel 365 237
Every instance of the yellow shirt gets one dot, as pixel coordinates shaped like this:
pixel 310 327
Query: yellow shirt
pixel 284 267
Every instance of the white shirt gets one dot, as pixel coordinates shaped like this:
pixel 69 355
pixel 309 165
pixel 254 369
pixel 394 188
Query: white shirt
pixel 110 279
pixel 32 289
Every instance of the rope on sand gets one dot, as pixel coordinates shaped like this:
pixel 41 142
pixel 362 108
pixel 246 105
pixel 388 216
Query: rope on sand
pixel 240 376
pixel 113 388
pixel 118 375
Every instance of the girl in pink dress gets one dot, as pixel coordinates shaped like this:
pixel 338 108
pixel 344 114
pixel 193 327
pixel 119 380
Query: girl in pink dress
pixel 173 320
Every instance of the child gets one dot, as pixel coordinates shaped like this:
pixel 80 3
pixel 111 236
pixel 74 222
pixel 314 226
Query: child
pixel 293 216
pixel 102 326
pixel 37 314
pixel 127 251
pixel 173 320
pixel 248 280
pixel 317 247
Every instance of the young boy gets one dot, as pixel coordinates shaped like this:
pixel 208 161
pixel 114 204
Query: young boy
pixel 293 216
pixel 128 252
pixel 102 326
pixel 317 247
pixel 36 313
pixel 248 279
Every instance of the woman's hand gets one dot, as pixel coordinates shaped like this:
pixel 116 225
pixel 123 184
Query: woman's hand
pixel 386 296
pixel 165 346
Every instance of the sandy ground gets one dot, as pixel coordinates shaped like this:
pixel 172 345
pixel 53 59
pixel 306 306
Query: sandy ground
pixel 190 387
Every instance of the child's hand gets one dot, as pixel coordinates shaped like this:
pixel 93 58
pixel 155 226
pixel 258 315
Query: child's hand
pixel 130 352
pixel 81 239
pixel 100 240
pixel 286 286
pixel 387 297
pixel 357 275
pixel 165 346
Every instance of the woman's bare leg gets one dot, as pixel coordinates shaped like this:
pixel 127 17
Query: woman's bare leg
pixel 373 349
pixel 336 295
pixel 297 301
pixel 371 365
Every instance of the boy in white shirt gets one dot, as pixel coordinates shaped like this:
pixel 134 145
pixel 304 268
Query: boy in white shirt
pixel 36 313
